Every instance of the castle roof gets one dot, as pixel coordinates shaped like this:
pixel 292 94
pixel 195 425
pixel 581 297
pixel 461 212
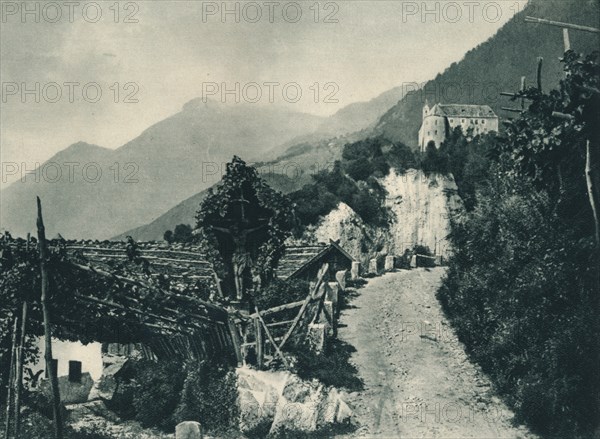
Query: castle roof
pixel 457 110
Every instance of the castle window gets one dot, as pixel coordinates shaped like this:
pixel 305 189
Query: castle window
pixel 436 132
pixel 476 122
pixel 463 121
pixel 429 133
pixel 483 121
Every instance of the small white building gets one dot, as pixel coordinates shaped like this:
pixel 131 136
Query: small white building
pixel 66 352
pixel 441 119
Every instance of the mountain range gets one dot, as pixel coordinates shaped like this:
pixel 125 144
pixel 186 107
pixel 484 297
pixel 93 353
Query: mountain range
pixel 157 180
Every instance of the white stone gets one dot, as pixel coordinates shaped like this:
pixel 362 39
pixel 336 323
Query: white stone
pixel 389 263
pixel 340 277
pixel 355 273
pixel 373 266
pixel 188 430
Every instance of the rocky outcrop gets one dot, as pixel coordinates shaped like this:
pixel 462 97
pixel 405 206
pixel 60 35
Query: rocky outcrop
pixel 71 392
pixel 420 209
pixel 106 386
pixel 282 402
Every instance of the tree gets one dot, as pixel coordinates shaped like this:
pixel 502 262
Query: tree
pixel 182 233
pixel 434 159
pixel 168 236
pixel 522 284
pixel 401 157
pixel 243 224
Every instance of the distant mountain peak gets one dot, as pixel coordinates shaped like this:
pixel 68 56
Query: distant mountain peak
pixel 199 104
pixel 82 146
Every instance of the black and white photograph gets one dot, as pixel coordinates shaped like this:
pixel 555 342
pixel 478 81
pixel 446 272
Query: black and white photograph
pixel 305 219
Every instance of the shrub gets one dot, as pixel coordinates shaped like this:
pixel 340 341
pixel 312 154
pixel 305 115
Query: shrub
pixel 401 157
pixel 331 367
pixel 209 396
pixel 313 202
pixel 156 392
pixel 360 169
pixel 280 292
pixel 518 292
pixel 424 251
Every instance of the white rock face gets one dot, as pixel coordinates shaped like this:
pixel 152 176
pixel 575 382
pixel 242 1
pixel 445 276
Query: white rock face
pixel 421 208
pixel 282 402
pixel 344 224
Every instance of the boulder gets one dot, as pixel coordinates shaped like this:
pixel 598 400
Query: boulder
pixel 251 415
pixel 283 403
pixel 258 397
pixel 107 384
pixel 71 392
pixel 334 409
pixel 77 412
pixel 297 390
pixel 298 409
pixel 188 430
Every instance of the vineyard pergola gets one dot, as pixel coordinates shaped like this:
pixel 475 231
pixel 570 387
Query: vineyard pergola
pixel 107 292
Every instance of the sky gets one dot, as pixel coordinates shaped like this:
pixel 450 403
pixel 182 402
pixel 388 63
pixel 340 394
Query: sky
pixel 102 72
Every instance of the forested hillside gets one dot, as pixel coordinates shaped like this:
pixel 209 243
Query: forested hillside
pixel 522 287
pixel 497 65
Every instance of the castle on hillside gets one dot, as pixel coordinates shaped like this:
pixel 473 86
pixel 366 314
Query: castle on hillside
pixel 441 119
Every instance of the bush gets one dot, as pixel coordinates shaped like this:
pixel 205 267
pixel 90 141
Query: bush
pixel 280 292
pixel 156 392
pixel 360 169
pixel 401 157
pixel 424 251
pixel 331 367
pixel 518 292
pixel 313 202
pixel 209 396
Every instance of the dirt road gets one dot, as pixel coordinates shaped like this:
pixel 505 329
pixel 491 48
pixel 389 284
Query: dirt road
pixel 418 380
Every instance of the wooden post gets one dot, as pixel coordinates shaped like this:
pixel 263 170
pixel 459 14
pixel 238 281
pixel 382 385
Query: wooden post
pixel 11 378
pixel 259 343
pixel 235 338
pixel 591 190
pixel 20 361
pixel 52 372
pixel 566 39
pixel 523 80
pixel 539 73
pixel 270 337
pixel 322 273
pixel 563 25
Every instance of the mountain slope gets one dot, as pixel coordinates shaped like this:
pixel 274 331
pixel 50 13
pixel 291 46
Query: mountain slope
pixel 507 56
pixel 498 64
pixel 168 163
pixel 185 212
pixel 109 191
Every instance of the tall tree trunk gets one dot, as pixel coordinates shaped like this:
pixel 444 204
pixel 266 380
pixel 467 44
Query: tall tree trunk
pixel 52 372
